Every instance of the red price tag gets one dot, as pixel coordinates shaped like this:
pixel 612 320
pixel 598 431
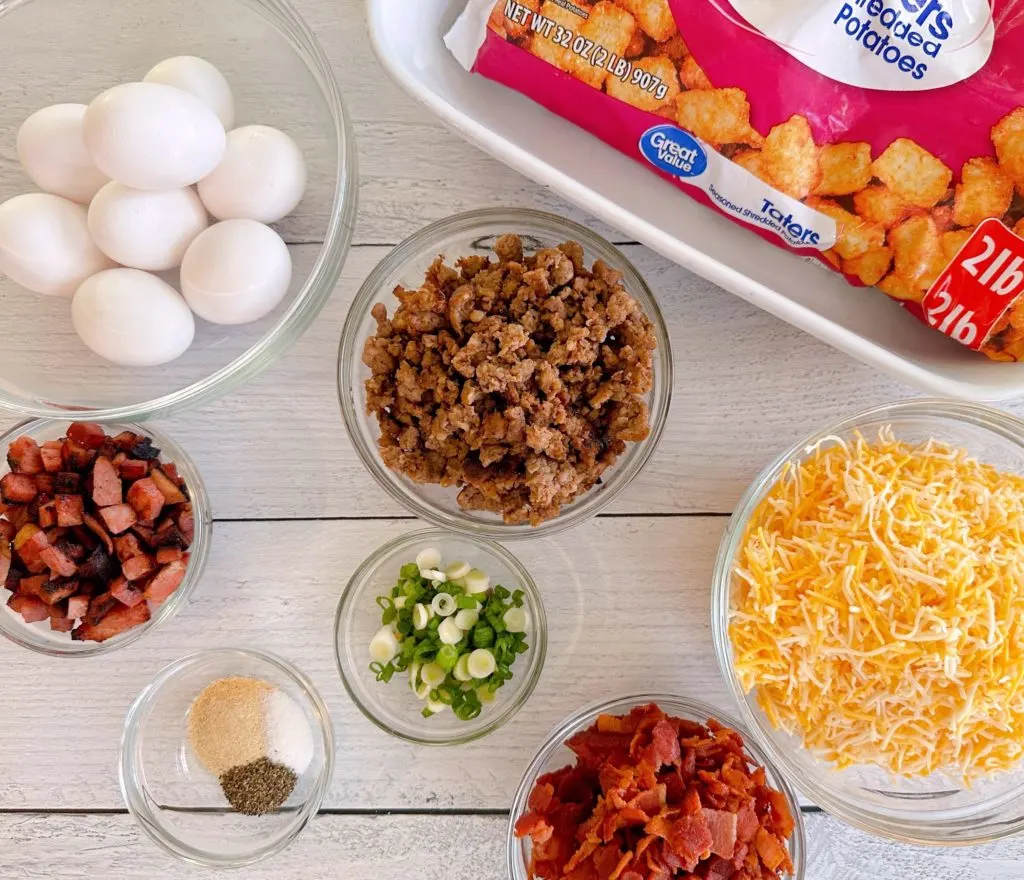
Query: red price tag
pixel 981 283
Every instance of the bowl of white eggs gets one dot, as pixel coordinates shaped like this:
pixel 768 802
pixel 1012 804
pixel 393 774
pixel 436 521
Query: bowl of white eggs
pixel 177 198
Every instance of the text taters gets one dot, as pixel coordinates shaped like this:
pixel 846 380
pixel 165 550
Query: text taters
pixel 897 288
pixel 918 254
pixel 871 266
pixel 610 27
pixel 880 204
pixel 912 173
pixel 674 47
pixel 845 169
pixel 752 161
pixel 791 158
pixel 654 17
pixel 953 240
pixel 509 29
pixel 1008 138
pixel 854 236
pixel 692 75
pixel 718 116
pixel 546 48
pixel 640 98
pixel 984 191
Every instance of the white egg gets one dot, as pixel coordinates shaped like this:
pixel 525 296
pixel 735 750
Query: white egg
pixel 261 177
pixel 235 272
pixel 146 228
pixel 152 136
pixel 132 318
pixel 200 78
pixel 53 153
pixel 45 244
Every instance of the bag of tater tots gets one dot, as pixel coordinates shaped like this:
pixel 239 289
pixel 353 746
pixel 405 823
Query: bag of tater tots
pixel 884 138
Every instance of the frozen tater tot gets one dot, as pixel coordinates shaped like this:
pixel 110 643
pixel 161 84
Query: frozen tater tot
pixel 692 75
pixel 791 158
pixel 913 173
pixel 845 169
pixel 870 267
pixel 1008 139
pixel 654 16
pixel 897 288
pixel 918 255
pixel 718 116
pixel 854 235
pixel 985 190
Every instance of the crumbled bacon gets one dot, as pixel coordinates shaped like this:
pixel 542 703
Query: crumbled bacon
pixel 653 797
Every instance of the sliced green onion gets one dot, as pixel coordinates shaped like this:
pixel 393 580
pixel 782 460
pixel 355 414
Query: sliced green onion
pixel 444 604
pixel 483 636
pixel 447 657
pixel 409 570
pixel 467 602
pixel 458 570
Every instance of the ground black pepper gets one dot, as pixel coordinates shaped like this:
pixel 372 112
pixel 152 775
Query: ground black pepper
pixel 258 787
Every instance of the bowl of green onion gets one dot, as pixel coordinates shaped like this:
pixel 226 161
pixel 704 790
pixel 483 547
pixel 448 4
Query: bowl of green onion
pixel 440 638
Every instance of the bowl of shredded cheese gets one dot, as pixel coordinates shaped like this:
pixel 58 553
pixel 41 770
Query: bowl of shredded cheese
pixel 868 613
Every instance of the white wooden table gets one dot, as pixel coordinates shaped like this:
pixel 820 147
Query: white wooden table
pixel 627 594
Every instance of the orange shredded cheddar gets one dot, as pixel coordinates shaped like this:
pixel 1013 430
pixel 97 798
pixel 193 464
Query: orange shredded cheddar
pixel 878 607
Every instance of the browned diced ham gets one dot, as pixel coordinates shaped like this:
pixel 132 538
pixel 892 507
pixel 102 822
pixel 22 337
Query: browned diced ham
pixel 76 457
pixel 106 484
pixel 187 524
pixel 146 498
pixel 50 452
pixel 137 567
pixel 168 554
pixel 87 434
pixel 78 606
pixel 96 527
pixel 18 488
pixel 67 483
pixel 126 592
pixel 70 510
pixel 54 591
pixel 33 586
pixel 45 484
pixel 118 517
pixel 62 624
pixel 98 566
pixel 171 469
pixel 17 514
pixel 127 546
pixel 29 543
pixel 120 620
pixel 47 514
pixel 70 547
pixel 30 608
pixel 5 561
pixel 172 494
pixel 133 469
pixel 170 536
pixel 145 535
pixel 7 530
pixel 25 457
pixel 125 441
pixel 166 581
pixel 100 606
pixel 58 563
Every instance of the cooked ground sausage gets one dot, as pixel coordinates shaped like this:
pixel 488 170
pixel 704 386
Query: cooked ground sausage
pixel 519 380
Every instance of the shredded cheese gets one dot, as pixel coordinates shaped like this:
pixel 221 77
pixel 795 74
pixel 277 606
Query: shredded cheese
pixel 878 607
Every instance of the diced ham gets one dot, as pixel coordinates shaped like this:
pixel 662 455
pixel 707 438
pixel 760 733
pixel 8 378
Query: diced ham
pixel 127 546
pixel 25 457
pixel 30 608
pixel 78 606
pixel 76 456
pixel 106 484
pixel 33 586
pixel 67 483
pixel 132 469
pixel 62 624
pixel 47 515
pixel 96 527
pixel 187 524
pixel 100 606
pixel 171 469
pixel 7 530
pixel 54 591
pixel 57 562
pixel 87 434
pixel 5 561
pixel 146 499
pixel 146 535
pixel 17 514
pixel 125 441
pixel 45 484
pixel 118 517
pixel 168 554
pixel 126 592
pixel 172 494
pixel 99 566
pixel 120 620
pixel 137 567
pixel 18 488
pixel 70 510
pixel 50 452
pixel 170 536
pixel 166 581
pixel 29 543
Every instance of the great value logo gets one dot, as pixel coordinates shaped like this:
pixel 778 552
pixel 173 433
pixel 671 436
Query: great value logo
pixel 673 151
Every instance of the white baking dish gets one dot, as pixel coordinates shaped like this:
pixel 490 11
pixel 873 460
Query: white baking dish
pixel 407 37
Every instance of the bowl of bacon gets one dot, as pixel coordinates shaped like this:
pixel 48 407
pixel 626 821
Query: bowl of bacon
pixel 104 533
pixel 652 787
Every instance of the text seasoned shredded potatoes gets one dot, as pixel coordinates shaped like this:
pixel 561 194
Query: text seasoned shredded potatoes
pixel 879 607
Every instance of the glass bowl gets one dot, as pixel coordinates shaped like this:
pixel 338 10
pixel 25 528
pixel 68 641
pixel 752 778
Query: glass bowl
pixel 392 706
pixel 280 77
pixel 462 235
pixel 173 797
pixel 554 754
pixel 39 636
pixel 932 810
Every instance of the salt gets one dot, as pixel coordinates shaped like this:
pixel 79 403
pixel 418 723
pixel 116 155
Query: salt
pixel 289 736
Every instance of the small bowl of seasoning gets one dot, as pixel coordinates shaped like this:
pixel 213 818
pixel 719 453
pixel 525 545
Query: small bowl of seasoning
pixel 225 756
